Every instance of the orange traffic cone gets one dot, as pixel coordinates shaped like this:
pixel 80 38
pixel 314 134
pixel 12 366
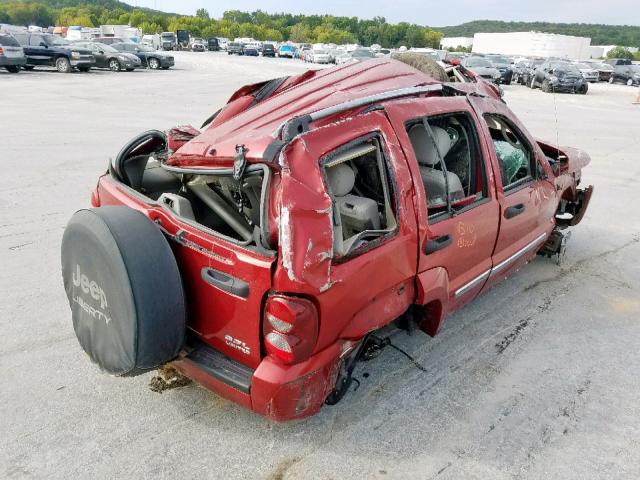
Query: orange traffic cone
pixel 637 100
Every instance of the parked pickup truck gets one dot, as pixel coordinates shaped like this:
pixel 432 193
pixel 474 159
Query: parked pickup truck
pixel 54 51
pixel 263 255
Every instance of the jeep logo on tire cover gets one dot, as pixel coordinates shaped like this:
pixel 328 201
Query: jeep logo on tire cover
pixel 96 292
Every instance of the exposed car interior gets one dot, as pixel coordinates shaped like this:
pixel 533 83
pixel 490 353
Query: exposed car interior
pixel 230 207
pixel 449 161
pixel 358 184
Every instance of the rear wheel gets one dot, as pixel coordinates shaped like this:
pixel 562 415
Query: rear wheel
pixel 583 89
pixel 154 63
pixel 630 82
pixel 546 86
pixel 610 79
pixel 13 68
pixel 63 65
pixel 114 65
pixel 532 84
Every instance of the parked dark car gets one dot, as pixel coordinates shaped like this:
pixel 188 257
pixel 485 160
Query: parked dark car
pixel 108 57
pixel 628 74
pixel 268 50
pixel 559 76
pixel 482 68
pixel 110 40
pixel 154 59
pixel 250 51
pixel 11 54
pixel 503 64
pixel 618 61
pixel 54 51
pixel 213 44
pixel 235 48
pixel 523 70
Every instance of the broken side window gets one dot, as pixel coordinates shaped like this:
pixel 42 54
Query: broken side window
pixel 450 162
pixel 515 156
pixel 357 176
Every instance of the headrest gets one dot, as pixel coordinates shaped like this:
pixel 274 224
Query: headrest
pixel 341 179
pixel 424 147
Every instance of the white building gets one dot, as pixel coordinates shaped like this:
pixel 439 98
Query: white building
pixel 456 42
pixel 534 44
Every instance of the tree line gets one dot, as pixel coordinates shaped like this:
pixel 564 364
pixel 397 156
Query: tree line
pixel 234 23
pixel 284 26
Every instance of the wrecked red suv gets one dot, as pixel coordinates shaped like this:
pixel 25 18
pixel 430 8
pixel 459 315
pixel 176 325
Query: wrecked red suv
pixel 259 255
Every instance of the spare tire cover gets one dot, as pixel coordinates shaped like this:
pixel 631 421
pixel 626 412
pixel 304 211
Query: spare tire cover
pixel 124 289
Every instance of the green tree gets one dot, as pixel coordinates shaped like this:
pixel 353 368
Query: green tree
pixel 300 33
pixel 620 52
pixel 202 13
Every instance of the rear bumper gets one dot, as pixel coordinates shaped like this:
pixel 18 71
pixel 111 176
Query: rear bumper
pixel 277 392
pixel 12 61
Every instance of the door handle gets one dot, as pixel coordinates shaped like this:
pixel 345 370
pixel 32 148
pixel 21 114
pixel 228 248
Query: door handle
pixel 225 282
pixel 437 243
pixel 514 211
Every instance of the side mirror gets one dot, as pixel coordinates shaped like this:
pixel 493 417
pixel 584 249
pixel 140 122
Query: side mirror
pixel 42 44
pixel 100 52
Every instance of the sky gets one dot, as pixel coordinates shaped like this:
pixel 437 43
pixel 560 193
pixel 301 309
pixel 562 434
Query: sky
pixel 426 12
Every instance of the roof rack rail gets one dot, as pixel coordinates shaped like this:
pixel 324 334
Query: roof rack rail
pixel 297 125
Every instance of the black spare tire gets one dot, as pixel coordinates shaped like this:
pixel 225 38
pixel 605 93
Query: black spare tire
pixel 124 289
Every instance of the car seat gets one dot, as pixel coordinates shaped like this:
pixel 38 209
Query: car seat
pixel 357 213
pixel 433 179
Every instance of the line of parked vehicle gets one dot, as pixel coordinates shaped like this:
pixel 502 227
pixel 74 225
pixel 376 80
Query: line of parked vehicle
pixel 27 50
pixel 549 74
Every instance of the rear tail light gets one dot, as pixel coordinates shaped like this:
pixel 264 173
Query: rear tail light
pixel 290 328
pixel 1 51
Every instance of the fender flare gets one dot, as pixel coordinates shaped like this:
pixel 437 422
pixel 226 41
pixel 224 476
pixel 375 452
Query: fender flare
pixel 432 299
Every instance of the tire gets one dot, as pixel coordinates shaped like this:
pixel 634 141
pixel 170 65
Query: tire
pixel 63 65
pixel 532 84
pixel 154 63
pixel 114 65
pixel 124 289
pixel 611 80
pixel 546 86
pixel 13 68
pixel 583 89
pixel 630 82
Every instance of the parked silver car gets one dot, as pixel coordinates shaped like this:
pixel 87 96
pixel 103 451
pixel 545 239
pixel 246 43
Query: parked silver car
pixel 11 53
pixel 589 73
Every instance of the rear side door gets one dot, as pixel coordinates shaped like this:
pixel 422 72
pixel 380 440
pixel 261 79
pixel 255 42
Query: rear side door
pixel 39 54
pixel 459 240
pixel 526 195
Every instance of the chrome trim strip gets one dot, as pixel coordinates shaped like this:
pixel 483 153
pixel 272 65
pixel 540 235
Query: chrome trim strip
pixel 483 276
pixel 469 285
pixel 518 254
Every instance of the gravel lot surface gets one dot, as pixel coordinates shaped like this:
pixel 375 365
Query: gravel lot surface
pixel 537 379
